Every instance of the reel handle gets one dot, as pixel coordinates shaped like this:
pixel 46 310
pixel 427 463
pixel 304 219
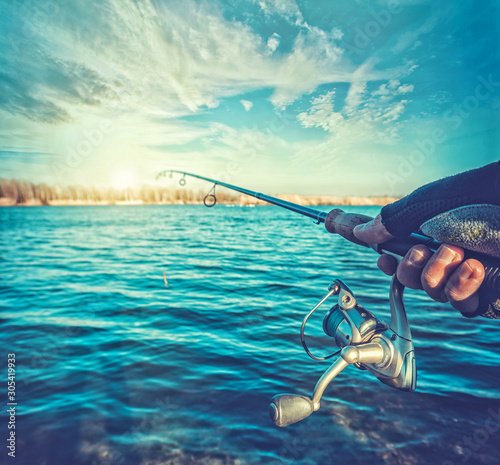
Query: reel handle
pixel 286 409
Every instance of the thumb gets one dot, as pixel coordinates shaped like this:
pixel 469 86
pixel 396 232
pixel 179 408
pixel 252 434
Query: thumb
pixel 373 232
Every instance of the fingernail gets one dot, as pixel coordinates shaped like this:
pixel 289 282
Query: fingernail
pixel 359 227
pixel 446 254
pixel 465 271
pixel 416 257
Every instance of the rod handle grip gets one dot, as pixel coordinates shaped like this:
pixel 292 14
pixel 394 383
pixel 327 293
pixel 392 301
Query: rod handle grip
pixel 339 222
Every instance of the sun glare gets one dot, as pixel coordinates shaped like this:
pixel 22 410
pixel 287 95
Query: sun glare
pixel 123 179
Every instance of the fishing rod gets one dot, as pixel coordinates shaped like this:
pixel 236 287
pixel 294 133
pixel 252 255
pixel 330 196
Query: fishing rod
pixel 339 222
pixel 317 215
pixel 385 350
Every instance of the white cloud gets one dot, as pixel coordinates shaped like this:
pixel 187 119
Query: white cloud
pixel 391 89
pixel 285 8
pixel 354 97
pixel 173 59
pixel 315 59
pixel 247 104
pixel 370 116
pixel 408 40
pixel 406 88
pixel 273 42
pixel 321 114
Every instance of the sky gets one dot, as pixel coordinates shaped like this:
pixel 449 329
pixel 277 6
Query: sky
pixel 345 97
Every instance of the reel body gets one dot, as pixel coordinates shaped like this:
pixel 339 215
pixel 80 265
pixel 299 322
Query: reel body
pixel 365 341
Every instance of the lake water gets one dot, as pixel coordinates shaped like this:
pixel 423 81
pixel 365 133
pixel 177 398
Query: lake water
pixel 112 367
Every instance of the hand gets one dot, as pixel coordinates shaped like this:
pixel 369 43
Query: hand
pixel 444 275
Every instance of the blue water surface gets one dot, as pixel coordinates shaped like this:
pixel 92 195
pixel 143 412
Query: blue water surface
pixel 113 367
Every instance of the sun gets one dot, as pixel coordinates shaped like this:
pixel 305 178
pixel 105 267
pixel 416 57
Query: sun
pixel 123 179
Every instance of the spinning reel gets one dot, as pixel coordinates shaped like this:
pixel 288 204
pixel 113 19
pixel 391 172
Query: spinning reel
pixel 365 341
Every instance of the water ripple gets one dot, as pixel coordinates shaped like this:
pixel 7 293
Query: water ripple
pixel 120 369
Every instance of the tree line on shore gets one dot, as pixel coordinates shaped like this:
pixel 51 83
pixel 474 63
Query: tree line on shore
pixel 15 192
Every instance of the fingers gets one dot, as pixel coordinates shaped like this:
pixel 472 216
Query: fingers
pixel 387 264
pixel 373 232
pixel 443 275
pixel 410 269
pixel 438 269
pixel 462 286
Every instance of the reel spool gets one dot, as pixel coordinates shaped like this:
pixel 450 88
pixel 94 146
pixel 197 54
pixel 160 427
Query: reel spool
pixel 365 341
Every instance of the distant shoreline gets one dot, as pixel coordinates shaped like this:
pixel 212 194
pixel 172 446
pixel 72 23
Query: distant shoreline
pixel 242 201
pixel 18 193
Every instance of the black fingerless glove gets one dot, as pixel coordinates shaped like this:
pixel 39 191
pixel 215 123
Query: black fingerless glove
pixel 405 216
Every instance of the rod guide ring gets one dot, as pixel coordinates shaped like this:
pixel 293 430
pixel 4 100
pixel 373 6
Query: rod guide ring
pixel 210 203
